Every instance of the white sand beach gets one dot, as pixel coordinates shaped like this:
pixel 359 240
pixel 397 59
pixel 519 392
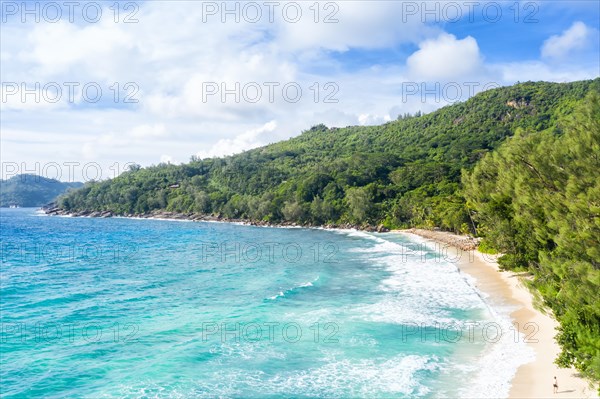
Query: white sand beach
pixel 534 379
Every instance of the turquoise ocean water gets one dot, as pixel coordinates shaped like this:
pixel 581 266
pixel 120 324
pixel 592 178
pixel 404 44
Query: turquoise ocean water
pixel 150 308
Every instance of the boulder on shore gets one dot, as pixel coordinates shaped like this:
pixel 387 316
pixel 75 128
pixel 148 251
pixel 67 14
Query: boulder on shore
pixel 382 229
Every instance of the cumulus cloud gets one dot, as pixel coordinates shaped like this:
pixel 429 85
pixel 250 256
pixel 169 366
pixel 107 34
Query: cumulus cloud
pixel 367 119
pixel 247 140
pixel 576 38
pixel 56 47
pixel 445 57
pixel 354 24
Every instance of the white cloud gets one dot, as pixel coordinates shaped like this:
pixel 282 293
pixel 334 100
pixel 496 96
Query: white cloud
pixel 171 53
pixel 88 152
pixel 54 48
pixel 576 38
pixel 20 96
pixel 360 24
pixel 368 119
pixel 445 57
pixel 513 72
pixel 148 131
pixel 247 140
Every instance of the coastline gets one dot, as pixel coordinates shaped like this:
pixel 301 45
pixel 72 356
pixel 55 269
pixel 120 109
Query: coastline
pixel 501 288
pixel 504 288
pixel 196 217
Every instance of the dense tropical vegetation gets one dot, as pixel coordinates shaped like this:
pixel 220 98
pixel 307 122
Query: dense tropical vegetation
pixel 537 200
pixel 29 190
pixel 517 165
pixel 403 173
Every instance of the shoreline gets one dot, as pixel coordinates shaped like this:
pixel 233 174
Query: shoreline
pixel 196 217
pixel 501 288
pixel 504 288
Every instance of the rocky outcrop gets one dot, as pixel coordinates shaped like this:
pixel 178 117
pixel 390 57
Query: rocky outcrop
pixel 517 104
pixel 382 229
pixel 55 211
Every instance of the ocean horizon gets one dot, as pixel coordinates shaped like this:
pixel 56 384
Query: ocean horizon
pixel 152 308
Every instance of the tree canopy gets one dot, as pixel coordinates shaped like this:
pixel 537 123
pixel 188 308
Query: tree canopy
pixel 403 173
pixel 537 200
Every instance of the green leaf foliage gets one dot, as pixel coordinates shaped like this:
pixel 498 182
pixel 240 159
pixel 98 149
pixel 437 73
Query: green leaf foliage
pixel 537 200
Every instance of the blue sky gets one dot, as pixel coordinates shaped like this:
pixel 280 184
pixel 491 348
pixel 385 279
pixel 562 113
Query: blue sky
pixel 502 41
pixel 351 71
pixel 510 41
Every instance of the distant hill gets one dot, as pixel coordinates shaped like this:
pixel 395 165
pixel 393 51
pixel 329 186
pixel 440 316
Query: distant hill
pixel 29 190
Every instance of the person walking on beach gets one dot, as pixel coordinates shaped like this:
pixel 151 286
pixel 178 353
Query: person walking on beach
pixel 555 385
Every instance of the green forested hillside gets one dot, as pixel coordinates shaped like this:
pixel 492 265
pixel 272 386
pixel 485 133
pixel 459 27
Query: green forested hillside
pixel 31 190
pixel 405 172
pixel 537 200
pixel 529 160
